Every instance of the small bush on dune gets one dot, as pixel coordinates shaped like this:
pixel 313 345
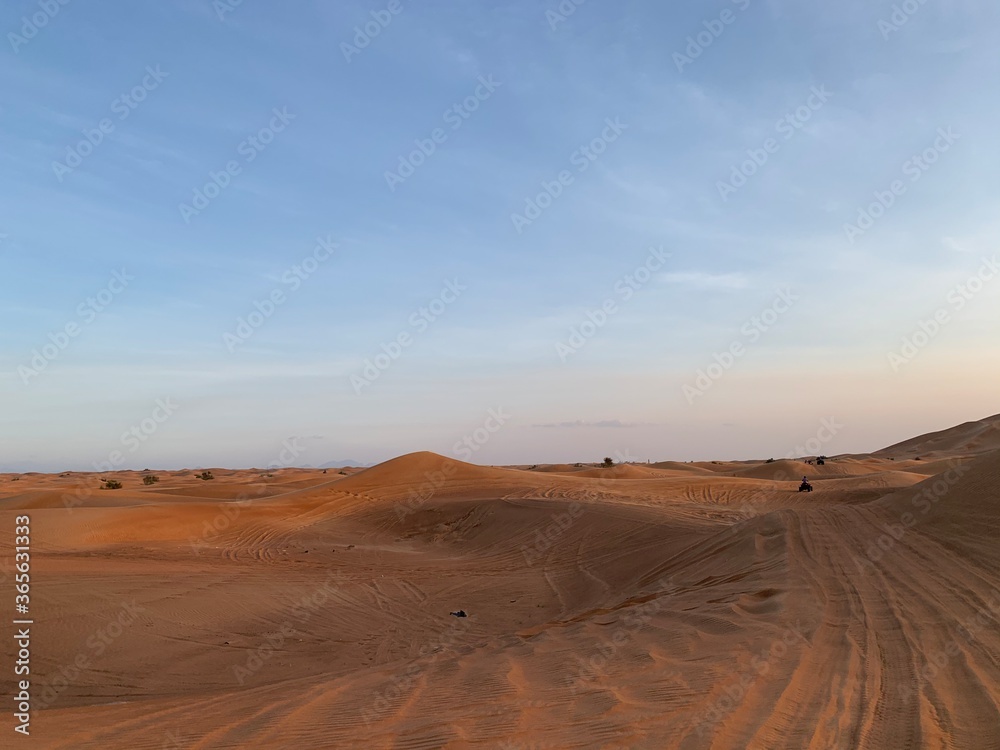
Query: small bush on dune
pixel 150 480
pixel 206 475
pixel 608 462
pixel 111 484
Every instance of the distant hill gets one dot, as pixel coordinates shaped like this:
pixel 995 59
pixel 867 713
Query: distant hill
pixel 970 438
pixel 345 463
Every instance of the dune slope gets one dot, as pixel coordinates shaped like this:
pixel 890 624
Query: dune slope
pixel 655 607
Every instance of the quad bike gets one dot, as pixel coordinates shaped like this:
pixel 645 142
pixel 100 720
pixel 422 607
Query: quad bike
pixel 805 487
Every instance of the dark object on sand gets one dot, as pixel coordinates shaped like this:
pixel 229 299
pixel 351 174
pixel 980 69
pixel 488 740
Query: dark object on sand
pixel 460 613
pixel 805 487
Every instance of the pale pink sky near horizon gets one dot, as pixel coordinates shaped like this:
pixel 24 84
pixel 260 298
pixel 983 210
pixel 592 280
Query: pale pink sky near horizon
pixel 749 414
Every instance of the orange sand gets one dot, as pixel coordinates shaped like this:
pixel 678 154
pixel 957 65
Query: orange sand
pixel 668 606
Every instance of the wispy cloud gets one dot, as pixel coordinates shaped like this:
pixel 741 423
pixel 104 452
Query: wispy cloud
pixel 613 424
pixel 703 280
pixel 574 276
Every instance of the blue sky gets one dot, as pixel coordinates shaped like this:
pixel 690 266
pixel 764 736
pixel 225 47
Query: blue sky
pixel 503 96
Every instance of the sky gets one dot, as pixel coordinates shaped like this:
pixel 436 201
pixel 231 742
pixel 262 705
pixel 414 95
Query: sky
pixel 252 234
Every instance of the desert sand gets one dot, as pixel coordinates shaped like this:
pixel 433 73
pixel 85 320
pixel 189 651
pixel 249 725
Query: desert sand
pixel 668 606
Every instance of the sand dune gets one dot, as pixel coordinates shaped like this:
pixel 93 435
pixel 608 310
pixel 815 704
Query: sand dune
pixel 669 605
pixel 629 471
pixel 678 466
pixel 970 438
pixel 790 469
